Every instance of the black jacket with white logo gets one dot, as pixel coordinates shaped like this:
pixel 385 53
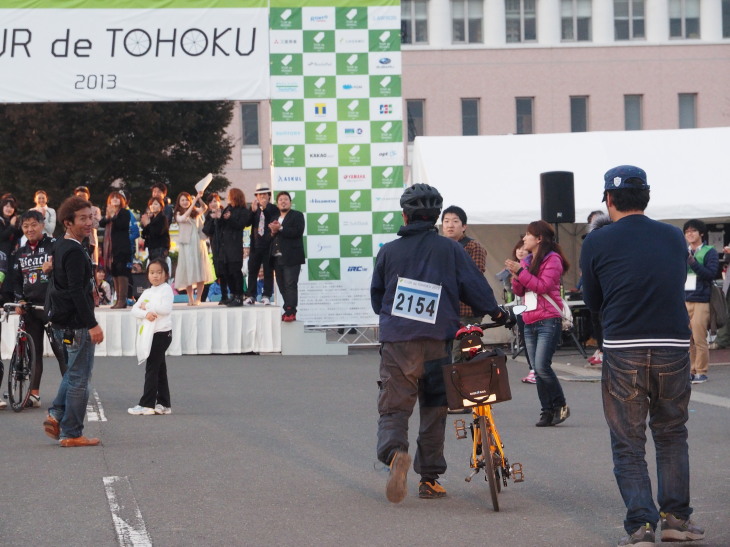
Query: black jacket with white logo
pixel 30 283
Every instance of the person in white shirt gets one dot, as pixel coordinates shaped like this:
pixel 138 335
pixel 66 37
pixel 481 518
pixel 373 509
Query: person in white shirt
pixel 153 309
pixel 49 214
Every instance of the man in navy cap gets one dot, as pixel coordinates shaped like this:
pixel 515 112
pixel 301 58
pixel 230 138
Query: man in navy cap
pixel 634 272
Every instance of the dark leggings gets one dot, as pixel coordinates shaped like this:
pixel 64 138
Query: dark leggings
pixel 156 388
pixel 34 321
pixel 233 274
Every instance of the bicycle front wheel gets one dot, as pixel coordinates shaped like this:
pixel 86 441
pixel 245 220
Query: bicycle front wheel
pixel 487 443
pixel 21 371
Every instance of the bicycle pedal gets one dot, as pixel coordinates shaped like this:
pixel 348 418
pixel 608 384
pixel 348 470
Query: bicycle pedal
pixel 517 474
pixel 460 426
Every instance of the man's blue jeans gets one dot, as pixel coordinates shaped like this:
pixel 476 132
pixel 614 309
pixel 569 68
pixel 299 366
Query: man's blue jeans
pixel 69 406
pixel 541 341
pixel 654 381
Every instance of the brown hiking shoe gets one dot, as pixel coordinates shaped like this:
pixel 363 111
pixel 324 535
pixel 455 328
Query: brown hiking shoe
pixel 431 490
pixel 79 441
pixel 396 488
pixel 52 427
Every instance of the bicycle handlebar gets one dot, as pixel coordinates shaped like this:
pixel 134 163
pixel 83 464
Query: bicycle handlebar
pixel 9 308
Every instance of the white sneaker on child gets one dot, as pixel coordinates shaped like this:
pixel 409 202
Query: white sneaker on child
pixel 265 301
pixel 159 409
pixel 141 411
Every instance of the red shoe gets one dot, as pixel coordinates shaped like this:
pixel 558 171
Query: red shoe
pixel 79 441
pixel 289 317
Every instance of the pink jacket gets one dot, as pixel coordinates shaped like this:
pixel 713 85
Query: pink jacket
pixel 547 281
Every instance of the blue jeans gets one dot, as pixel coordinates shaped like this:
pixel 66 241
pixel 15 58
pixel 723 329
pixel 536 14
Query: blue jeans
pixel 69 406
pixel 541 341
pixel 654 381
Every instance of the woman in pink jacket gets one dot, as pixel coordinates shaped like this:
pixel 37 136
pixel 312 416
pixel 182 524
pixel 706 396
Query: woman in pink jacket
pixel 534 278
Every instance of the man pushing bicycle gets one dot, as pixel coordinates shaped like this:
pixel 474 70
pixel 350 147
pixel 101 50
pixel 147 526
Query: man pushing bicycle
pixel 418 282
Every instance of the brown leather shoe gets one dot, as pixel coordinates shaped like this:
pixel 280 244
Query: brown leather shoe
pixel 79 441
pixel 52 427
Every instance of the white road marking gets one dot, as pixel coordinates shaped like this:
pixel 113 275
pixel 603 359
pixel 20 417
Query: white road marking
pixel 94 411
pixel 128 523
pixel 709 399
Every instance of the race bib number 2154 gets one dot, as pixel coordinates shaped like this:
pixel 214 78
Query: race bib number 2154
pixel 416 300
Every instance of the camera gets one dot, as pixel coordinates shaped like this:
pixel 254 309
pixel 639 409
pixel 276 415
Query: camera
pixel 68 337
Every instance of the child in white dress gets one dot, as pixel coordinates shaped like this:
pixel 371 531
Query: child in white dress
pixel 154 334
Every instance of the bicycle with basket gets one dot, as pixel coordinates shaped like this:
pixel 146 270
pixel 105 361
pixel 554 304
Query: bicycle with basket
pixel 476 382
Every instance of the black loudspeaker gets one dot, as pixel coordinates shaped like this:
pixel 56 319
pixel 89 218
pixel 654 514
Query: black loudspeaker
pixel 557 200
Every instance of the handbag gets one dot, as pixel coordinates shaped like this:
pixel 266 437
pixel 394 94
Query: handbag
pixel 479 381
pixel 565 314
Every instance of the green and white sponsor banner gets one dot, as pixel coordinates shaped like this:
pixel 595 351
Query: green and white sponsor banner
pixel 337 136
pixel 133 50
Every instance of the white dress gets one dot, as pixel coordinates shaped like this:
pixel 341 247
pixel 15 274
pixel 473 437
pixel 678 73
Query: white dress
pixel 193 265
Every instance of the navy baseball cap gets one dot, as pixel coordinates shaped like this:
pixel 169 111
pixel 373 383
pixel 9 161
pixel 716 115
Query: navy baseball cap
pixel 625 176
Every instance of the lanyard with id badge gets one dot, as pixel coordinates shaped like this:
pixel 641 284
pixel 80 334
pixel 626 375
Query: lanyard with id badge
pixel 416 300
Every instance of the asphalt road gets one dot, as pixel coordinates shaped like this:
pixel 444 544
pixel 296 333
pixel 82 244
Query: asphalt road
pixel 272 450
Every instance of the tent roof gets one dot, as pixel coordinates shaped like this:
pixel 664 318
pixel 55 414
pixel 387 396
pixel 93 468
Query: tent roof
pixel 496 179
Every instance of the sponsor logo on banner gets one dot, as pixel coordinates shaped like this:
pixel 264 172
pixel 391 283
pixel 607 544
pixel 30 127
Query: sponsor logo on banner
pixel 321 155
pixel 354 154
pixel 322 178
pixel 385 110
pixel 281 88
pixel 285 41
pixel 387 222
pixel 319 41
pixel 352 63
pixel 319 64
pixel 356 246
pixel 384 40
pixel 354 200
pixel 288 178
pixel 354 131
pixel 384 17
pixel 288 155
pixel 387 131
pixel 318 18
pixel 356 223
pixel 320 87
pixel 327 269
pixel 355 87
pixel 321 132
pixel 357 267
pixel 323 247
pixel 384 63
pixel 386 154
pixel 320 110
pixel 385 86
pixel 322 223
pixel 290 132
pixel 355 177
pixel 351 41
pixel 353 109
pixel 351 18
pixel 389 176
pixel 386 200
pixel 286 64
pixel 287 110
pixel 323 201
pixel 381 239
pixel 285 18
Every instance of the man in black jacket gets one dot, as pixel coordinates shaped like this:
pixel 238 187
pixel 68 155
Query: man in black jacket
pixel 287 253
pixel 70 308
pixel 31 266
pixel 264 213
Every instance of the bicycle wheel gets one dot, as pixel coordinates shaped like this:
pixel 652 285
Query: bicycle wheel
pixel 20 371
pixel 489 470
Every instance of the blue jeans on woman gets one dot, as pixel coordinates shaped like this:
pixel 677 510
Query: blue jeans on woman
pixel 541 341
pixel 69 406
pixel 654 381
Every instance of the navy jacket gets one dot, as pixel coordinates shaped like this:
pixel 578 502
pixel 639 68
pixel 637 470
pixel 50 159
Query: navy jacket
pixel 706 274
pixel 634 271
pixel 421 254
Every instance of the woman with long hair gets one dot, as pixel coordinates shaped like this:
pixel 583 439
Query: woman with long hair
pixel 193 270
pixel 117 251
pixel 537 279
pixel 233 219
pixel 155 229
pixel 49 214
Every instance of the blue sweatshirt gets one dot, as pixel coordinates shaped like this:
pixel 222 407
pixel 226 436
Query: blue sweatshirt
pixel 633 273
pixel 706 270
pixel 422 255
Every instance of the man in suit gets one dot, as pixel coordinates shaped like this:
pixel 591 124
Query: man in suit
pixel 287 253
pixel 264 213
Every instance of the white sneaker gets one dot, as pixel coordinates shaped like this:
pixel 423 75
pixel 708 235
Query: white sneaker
pixel 265 301
pixel 249 301
pixel 34 401
pixel 159 409
pixel 3 405
pixel 141 411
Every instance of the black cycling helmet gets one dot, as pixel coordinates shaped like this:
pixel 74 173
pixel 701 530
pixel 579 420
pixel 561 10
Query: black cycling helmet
pixel 421 200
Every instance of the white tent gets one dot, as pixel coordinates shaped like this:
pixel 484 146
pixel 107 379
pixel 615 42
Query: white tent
pixel 496 180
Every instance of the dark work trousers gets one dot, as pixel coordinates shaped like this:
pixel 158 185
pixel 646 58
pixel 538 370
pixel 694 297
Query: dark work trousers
pixel 220 273
pixel 256 258
pixel 156 388
pixel 234 277
pixel 287 279
pixel 34 325
pixel 409 372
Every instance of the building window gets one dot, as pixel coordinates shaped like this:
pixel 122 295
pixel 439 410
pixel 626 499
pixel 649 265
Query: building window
pixel 414 21
pixel 575 16
pixel 521 20
pixel 415 109
pixel 578 114
pixel 523 107
pixel 684 18
pixel 687 110
pixel 633 112
pixel 469 117
pixel 628 19
pixel 250 124
pixel 726 18
pixel 466 21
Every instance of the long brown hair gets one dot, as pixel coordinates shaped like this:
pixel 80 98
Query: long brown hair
pixel 178 208
pixel 547 244
pixel 236 198
pixel 115 194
